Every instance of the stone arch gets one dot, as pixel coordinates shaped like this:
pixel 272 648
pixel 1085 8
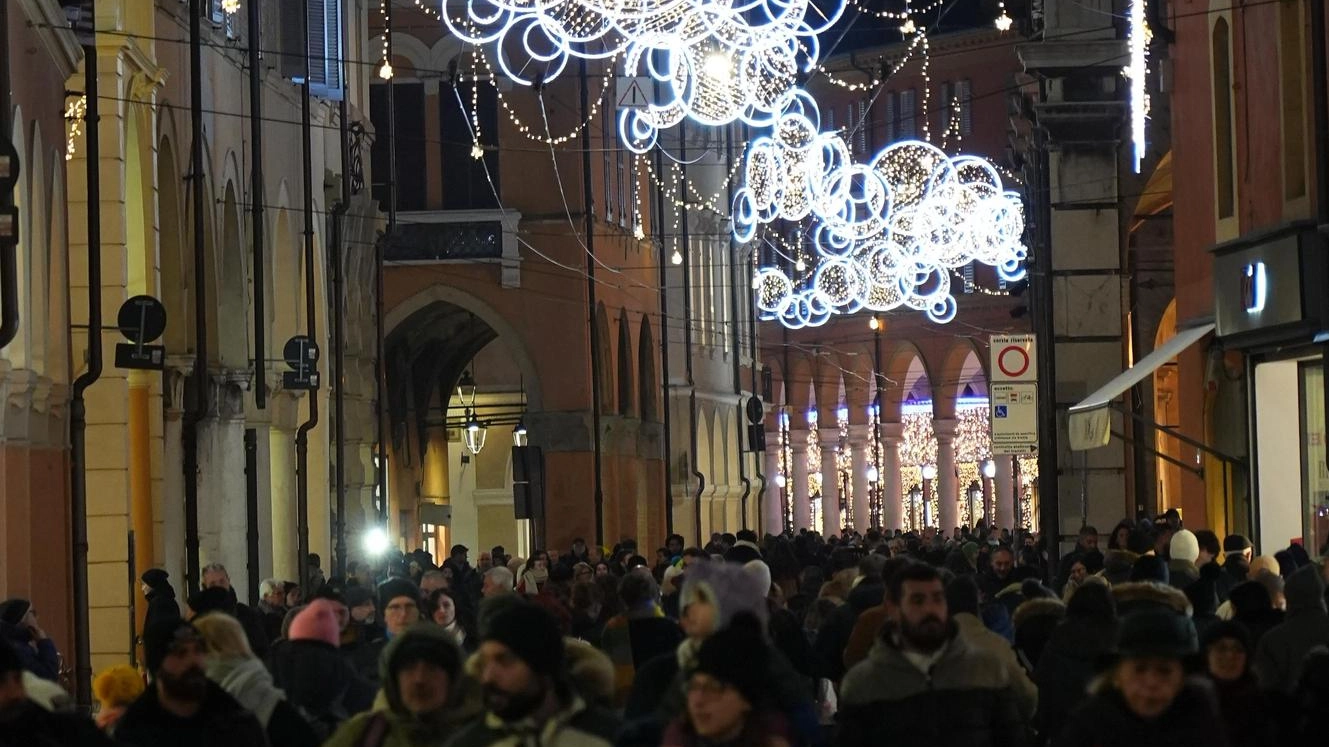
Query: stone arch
pixel 177 282
pixel 798 385
pixel 627 396
pixel 904 369
pixel 857 363
pixel 140 209
pixel 36 259
pixel 648 384
pixel 962 367
pixel 228 287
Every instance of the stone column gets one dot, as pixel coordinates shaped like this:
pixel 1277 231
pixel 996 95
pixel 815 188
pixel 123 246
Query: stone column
pixel 1003 488
pixel 223 521
pixel 798 477
pixel 830 482
pixel 172 514
pixel 893 490
pixel 948 493
pixel 860 439
pixel 772 505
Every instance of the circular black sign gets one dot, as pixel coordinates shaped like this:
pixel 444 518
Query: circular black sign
pixel 142 319
pixel 300 351
pixel 756 412
pixel 9 164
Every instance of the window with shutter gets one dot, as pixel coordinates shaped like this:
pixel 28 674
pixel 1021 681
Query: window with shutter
pixel 861 134
pixel 892 116
pixel 948 111
pixel 962 92
pixel 609 139
pixel 968 273
pixel 908 112
pixel 322 42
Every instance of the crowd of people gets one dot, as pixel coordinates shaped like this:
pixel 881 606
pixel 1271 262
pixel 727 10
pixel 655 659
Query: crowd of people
pixel 970 638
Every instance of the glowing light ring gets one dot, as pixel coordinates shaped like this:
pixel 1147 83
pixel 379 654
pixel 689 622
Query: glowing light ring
pixel 719 62
pixel 886 234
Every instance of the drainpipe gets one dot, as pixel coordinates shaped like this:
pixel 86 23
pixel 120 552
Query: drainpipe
pixel 199 402
pixel 302 433
pixel 1320 98
pixel 741 421
pixel 256 209
pixel 339 335
pixel 380 366
pixel 8 252
pixel 588 208
pixel 667 411
pixel 78 422
pixel 687 326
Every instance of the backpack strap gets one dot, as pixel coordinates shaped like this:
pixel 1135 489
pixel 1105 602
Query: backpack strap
pixel 376 731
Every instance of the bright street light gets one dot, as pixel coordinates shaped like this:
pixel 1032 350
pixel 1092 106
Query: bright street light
pixel 376 542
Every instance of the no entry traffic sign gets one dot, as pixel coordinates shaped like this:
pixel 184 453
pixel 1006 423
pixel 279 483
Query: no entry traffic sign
pixel 1013 358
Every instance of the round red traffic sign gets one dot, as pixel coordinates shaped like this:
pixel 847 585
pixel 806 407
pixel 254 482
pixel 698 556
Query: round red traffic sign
pixel 1013 361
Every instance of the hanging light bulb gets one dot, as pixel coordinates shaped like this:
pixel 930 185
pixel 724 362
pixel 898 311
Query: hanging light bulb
pixel 908 26
pixel 874 324
pixel 475 433
pixel 230 6
pixel 385 71
pixel 638 232
pixel 800 265
pixel 676 257
pixel 1003 21
pixel 477 151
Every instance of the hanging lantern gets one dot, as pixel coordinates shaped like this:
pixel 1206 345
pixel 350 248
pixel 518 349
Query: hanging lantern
pixel 466 390
pixel 519 434
pixel 475 433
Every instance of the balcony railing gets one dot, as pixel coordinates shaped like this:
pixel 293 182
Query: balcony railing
pixel 433 236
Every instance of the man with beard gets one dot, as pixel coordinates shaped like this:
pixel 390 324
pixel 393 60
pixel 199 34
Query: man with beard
pixel 922 684
pixel 182 706
pixel 527 695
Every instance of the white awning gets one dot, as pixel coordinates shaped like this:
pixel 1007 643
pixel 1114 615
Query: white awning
pixel 1091 420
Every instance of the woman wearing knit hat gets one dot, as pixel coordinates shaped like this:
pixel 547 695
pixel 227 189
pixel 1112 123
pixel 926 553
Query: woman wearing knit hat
pixel 1144 699
pixel 729 693
pixel 115 688
pixel 232 665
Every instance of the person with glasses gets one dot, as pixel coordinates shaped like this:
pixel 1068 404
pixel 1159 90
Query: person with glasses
pixel 21 632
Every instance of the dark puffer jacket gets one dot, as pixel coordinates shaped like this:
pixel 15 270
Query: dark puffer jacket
pixel 1105 721
pixel 1068 665
pixel 965 700
pixel 220 722
pixel 835 632
pixel 1280 653
pixel 318 681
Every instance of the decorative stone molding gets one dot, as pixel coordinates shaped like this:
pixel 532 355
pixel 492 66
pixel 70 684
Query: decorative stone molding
pixel 226 400
pixel 178 370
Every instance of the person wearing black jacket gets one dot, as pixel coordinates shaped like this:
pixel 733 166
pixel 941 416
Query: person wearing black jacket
pixel 1071 657
pixel 182 706
pixel 215 576
pixel 833 637
pixel 321 683
pixel 1246 710
pixel 157 590
pixel 1236 564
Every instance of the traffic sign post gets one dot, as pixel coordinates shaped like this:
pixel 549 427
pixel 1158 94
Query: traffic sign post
pixel 141 319
pixel 301 354
pixel 1013 402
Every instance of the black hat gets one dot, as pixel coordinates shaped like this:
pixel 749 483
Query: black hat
pixel 155 577
pixel 1157 632
pixel 530 632
pixel 215 599
pixel 12 611
pixel 426 643
pixel 737 656
pixel 1150 568
pixel 1236 543
pixel 1227 629
pixel 357 596
pixel 397 587
pixel 459 550
pixel 161 636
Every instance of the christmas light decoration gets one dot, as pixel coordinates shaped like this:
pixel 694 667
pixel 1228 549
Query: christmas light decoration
pixel 74 112
pixel 1138 37
pixel 230 7
pixel 1003 21
pixel 887 234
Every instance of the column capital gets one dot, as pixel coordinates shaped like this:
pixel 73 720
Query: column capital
pixel 945 429
pixel 860 435
pixel 798 441
pixel 892 432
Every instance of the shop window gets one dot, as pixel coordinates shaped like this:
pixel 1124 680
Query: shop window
pixel 1291 62
pixel 1224 161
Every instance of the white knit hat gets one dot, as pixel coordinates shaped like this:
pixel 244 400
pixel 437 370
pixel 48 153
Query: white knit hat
pixel 1185 546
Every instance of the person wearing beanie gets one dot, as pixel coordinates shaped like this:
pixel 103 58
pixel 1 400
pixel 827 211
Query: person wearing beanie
pixel 1237 551
pixel 1183 554
pixel 160 595
pixel 25 723
pixel 526 692
pixel 115 688
pixel 1071 657
pixel 1144 698
pixel 232 666
pixel 1151 568
pixel 1282 651
pixel 181 705
pixel 1246 710
pixel 728 699
pixel 21 633
pixel 317 679
pixel 922 683
pixel 427 695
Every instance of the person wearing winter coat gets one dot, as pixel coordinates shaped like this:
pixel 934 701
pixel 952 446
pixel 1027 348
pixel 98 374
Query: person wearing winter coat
pixel 1184 552
pixel 25 723
pixel 160 595
pixel 1237 551
pixel 1144 699
pixel 962 603
pixel 232 665
pixel 1281 652
pixel 1034 620
pixel 1253 607
pixel 427 697
pixel 1070 659
pixel 639 634
pixel 115 688
pixel 21 633
pixel 320 683
pixel 868 592
pixel 527 697
pixel 182 706
pixel 922 683
pixel 728 700
pixel 1247 712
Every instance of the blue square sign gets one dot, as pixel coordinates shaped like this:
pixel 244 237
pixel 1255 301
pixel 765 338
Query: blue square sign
pixel 999 411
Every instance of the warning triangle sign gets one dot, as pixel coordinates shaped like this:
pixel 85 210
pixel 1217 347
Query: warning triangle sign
pixel 632 93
